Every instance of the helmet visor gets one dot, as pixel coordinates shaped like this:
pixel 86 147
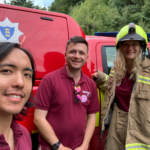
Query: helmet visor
pixel 132 37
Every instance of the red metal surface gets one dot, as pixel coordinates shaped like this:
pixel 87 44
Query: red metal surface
pixel 45 39
pixel 27 121
pixel 148 46
pixel 95 141
pixel 95 44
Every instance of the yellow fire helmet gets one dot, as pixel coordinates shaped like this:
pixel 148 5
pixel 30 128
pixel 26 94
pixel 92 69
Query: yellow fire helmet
pixel 132 32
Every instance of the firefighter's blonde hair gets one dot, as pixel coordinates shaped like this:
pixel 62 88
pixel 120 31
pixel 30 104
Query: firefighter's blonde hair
pixel 120 65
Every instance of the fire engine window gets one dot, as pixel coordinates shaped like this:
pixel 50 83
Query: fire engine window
pixel 108 58
pixel 111 55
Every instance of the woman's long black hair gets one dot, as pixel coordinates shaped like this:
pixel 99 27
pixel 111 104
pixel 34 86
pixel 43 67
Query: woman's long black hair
pixel 5 49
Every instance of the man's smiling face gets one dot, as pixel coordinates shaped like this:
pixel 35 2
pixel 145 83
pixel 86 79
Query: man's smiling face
pixel 76 55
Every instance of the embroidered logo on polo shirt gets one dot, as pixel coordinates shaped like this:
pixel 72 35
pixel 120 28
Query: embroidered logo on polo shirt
pixel 86 92
pixel 83 98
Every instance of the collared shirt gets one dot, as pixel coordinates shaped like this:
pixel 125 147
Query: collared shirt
pixel 123 93
pixel 56 95
pixel 22 138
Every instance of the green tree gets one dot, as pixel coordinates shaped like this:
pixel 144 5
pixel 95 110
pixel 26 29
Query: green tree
pixel 63 6
pixel 95 16
pixel 136 11
pixel 134 5
pixel 23 3
pixel 43 8
pixel 146 16
pixel 38 7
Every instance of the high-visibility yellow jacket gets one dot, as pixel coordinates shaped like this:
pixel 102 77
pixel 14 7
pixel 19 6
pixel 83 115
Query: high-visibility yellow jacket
pixel 138 130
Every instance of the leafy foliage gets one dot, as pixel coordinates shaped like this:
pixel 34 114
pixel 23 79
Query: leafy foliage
pixel 136 11
pixel 25 3
pixel 63 6
pixel 111 15
pixel 95 15
pixel 146 15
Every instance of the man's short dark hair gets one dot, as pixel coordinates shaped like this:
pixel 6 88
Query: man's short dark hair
pixel 5 49
pixel 77 39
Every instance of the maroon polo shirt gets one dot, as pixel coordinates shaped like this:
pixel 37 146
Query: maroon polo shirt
pixel 22 138
pixel 68 119
pixel 123 93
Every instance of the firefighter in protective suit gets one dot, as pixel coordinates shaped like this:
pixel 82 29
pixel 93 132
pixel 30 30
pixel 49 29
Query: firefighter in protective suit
pixel 126 105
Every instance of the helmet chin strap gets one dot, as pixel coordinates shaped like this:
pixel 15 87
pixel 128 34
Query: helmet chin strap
pixel 143 50
pixel 143 53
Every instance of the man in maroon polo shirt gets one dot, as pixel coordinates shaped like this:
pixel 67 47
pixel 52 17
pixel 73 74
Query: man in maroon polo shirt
pixel 65 98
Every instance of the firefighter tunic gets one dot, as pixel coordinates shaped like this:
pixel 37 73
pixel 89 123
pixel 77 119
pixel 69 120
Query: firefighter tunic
pixel 138 118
